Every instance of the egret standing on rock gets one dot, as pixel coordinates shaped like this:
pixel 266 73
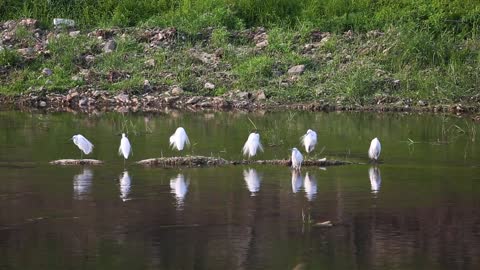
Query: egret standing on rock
pixel 252 145
pixel 374 150
pixel 179 139
pixel 125 147
pixel 309 140
pixel 83 144
pixel 297 159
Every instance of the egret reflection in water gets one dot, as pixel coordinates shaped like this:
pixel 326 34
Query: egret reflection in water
pixel 82 183
pixel 179 187
pixel 297 181
pixel 252 180
pixel 125 184
pixel 375 179
pixel 310 184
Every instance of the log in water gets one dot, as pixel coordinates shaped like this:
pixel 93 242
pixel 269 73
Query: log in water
pixel 76 162
pixel 197 161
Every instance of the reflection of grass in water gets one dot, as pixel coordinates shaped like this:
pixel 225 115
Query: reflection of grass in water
pixel 272 137
pixel 450 131
pixel 128 127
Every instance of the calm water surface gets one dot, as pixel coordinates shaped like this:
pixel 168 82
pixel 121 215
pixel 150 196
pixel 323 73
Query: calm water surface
pixel 420 209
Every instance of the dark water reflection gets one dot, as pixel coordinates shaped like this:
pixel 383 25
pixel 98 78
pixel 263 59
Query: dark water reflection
pixel 420 209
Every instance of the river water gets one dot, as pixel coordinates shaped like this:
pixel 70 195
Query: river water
pixel 418 209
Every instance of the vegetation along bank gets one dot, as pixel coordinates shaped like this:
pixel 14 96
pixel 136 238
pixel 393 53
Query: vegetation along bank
pixel 310 54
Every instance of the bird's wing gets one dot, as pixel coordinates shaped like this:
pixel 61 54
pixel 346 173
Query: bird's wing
pixel 120 148
pixel 184 137
pixel 314 137
pixel 125 146
pixel 172 140
pixel 256 142
pixel 299 157
pixel 85 145
pixel 375 149
pixel 245 148
pixel 260 146
pixel 302 139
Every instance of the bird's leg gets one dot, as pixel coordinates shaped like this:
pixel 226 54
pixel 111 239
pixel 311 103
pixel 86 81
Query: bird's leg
pixel 81 155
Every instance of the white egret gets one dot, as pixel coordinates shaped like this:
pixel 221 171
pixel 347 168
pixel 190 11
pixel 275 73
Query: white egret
pixel 179 139
pixel 125 147
pixel 252 145
pixel 82 183
pixel 297 159
pixel 309 140
pixel 310 185
pixel 375 179
pixel 125 183
pixel 179 187
pixel 252 180
pixel 297 181
pixel 83 144
pixel 374 150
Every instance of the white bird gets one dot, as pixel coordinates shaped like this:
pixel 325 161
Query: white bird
pixel 297 181
pixel 83 144
pixel 374 150
pixel 82 183
pixel 252 145
pixel 309 140
pixel 252 180
pixel 179 139
pixel 375 179
pixel 125 183
pixel 310 187
pixel 297 159
pixel 125 147
pixel 179 187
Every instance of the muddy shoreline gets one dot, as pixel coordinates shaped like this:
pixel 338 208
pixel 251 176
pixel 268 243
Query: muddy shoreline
pixel 90 101
pixel 49 72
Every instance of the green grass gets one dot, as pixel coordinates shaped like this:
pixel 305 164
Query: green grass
pixel 429 49
pixel 8 57
pixel 461 16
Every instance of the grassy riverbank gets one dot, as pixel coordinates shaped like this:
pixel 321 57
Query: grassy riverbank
pixel 353 51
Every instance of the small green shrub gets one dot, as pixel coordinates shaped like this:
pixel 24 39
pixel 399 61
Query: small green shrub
pixel 220 37
pixel 8 57
pixel 254 70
